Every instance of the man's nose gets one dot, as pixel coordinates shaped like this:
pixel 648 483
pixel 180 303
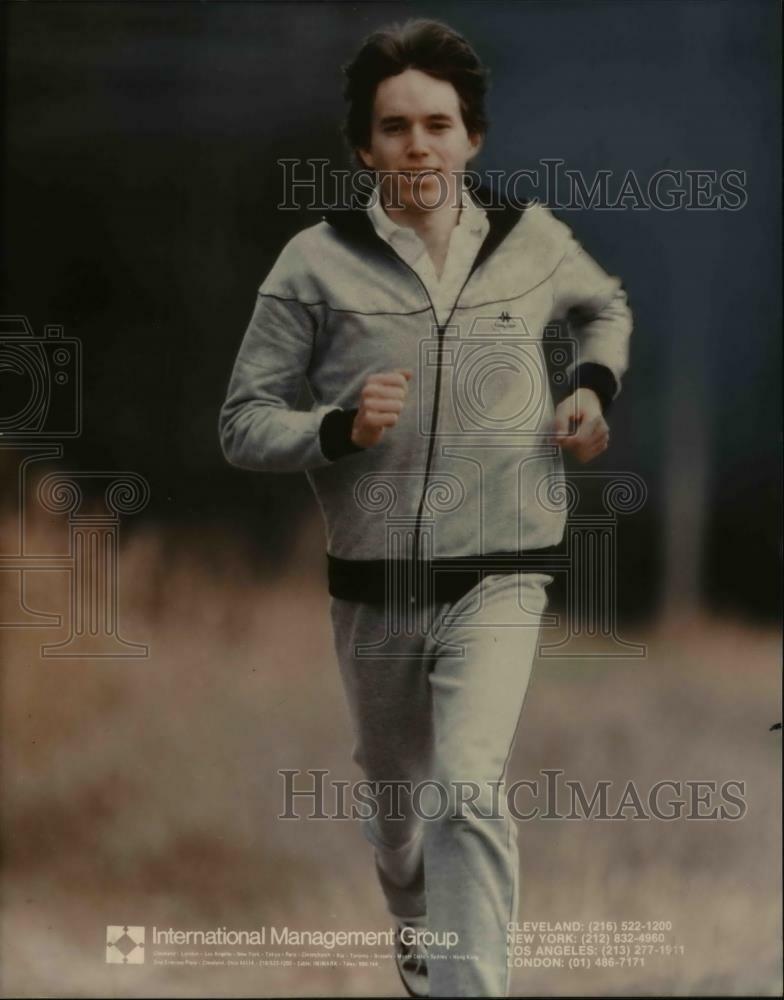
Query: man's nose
pixel 418 143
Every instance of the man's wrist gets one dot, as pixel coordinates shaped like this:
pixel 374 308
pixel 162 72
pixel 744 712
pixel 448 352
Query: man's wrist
pixel 335 434
pixel 596 377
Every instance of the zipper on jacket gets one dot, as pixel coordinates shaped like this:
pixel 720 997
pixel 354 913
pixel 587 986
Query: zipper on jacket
pixel 441 330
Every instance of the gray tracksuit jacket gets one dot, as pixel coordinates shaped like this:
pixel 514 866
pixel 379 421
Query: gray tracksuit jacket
pixel 465 482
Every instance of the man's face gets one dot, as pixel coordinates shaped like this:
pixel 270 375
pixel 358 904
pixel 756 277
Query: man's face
pixel 417 126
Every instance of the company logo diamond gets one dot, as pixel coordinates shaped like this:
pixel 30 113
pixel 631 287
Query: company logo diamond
pixel 124 945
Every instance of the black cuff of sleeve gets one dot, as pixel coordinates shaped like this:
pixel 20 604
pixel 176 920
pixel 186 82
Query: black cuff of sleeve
pixel 597 377
pixel 335 434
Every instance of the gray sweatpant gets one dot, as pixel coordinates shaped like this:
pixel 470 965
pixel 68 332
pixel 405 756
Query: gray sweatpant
pixel 432 707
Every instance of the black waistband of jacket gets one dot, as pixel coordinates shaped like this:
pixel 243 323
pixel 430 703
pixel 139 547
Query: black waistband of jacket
pixel 376 581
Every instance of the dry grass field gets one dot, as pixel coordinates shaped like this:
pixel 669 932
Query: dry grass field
pixel 145 792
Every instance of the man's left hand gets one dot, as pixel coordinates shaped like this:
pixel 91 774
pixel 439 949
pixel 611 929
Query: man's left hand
pixel 579 426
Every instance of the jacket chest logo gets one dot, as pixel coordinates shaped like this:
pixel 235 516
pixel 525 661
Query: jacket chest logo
pixel 503 322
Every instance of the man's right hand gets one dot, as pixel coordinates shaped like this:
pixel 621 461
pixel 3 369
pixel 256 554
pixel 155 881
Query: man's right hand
pixel 381 402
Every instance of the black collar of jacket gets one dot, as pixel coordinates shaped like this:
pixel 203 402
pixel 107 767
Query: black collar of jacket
pixel 502 215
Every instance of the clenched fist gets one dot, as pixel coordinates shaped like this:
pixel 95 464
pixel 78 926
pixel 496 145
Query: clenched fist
pixel 381 402
pixel 590 436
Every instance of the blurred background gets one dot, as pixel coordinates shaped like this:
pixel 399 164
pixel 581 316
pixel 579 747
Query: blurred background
pixel 139 182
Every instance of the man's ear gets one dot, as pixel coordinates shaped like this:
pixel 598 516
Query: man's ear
pixel 366 157
pixel 476 139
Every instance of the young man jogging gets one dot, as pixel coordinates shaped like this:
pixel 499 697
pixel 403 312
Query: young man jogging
pixel 434 449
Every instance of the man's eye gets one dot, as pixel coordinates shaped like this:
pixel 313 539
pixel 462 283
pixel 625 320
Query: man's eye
pixel 392 128
pixel 440 126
